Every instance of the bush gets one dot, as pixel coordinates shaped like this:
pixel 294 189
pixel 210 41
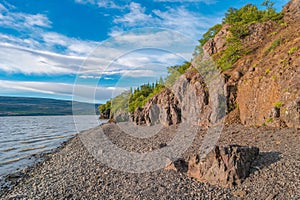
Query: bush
pixel 274 44
pixel 292 50
pixel 278 104
pixel 230 55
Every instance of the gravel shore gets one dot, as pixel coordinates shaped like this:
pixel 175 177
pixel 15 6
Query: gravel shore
pixel 72 172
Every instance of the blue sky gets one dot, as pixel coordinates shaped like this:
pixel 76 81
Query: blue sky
pixel 95 49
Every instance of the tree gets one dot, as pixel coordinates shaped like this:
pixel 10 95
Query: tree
pixel 210 33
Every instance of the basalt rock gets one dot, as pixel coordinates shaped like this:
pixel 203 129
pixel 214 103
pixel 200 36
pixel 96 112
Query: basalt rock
pixel 292 11
pixel 163 108
pixel 187 100
pixel 224 166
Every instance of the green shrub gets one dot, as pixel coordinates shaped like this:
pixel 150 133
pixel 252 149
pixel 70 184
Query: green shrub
pixel 175 71
pixel 274 44
pixel 105 106
pixel 278 104
pixel 292 50
pixel 230 55
pixel 272 34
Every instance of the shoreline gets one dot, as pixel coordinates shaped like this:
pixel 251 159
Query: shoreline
pixel 69 171
pixel 9 180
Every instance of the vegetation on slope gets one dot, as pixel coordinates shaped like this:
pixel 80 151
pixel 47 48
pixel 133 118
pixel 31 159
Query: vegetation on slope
pixel 239 20
pixel 129 101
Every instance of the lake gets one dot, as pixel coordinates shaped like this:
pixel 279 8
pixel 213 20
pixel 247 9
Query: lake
pixel 21 137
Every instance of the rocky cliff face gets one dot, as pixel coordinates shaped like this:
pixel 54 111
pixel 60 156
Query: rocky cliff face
pixel 164 108
pixel 262 88
pixel 186 100
pixel 268 93
pixel 292 11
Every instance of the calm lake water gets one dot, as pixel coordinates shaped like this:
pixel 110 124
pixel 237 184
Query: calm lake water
pixel 21 137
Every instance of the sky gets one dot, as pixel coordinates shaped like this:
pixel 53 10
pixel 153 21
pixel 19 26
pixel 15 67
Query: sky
pixel 92 50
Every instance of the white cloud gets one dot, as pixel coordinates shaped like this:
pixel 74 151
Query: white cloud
pixel 135 16
pixel 72 46
pixel 180 19
pixel 22 21
pixel 46 52
pixel 188 1
pixel 101 3
pixel 2 8
pixel 15 59
pixel 185 21
pixel 82 91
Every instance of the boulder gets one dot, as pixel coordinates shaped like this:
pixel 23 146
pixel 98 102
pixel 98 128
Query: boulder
pixel 291 114
pixel 121 116
pixel 224 166
pixel 179 165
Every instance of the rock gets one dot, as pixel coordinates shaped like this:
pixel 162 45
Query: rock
pixel 111 121
pixel 223 166
pixel 179 165
pixel 163 108
pixel 292 114
pixel 162 145
pixel 237 75
pixel 239 193
pixel 121 116
pixel 218 43
pixel 275 112
pixel 292 11
pixel 105 114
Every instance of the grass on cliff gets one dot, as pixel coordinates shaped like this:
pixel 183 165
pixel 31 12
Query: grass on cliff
pixel 239 21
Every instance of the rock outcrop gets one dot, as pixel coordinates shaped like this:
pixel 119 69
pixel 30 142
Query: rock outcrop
pixel 187 100
pixel 218 43
pixel 292 11
pixel 105 114
pixel 263 87
pixel 164 108
pixel 224 166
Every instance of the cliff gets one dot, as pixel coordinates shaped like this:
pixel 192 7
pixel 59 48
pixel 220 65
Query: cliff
pixel 261 88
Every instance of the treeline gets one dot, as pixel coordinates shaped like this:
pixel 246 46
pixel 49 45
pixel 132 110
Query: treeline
pixel 129 101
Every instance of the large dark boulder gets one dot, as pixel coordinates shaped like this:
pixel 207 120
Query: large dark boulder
pixel 224 166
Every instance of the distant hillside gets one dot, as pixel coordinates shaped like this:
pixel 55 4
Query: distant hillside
pixel 23 106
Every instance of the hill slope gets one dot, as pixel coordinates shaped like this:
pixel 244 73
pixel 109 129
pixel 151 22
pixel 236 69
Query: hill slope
pixel 22 106
pixel 260 68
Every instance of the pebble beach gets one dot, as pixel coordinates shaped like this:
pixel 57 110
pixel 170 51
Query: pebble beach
pixel 72 172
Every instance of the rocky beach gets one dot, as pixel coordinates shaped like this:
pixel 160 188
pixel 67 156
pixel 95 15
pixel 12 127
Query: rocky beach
pixel 73 173
pixel 224 126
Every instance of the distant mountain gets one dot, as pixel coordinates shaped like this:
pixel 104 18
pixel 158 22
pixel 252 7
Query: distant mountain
pixel 23 106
